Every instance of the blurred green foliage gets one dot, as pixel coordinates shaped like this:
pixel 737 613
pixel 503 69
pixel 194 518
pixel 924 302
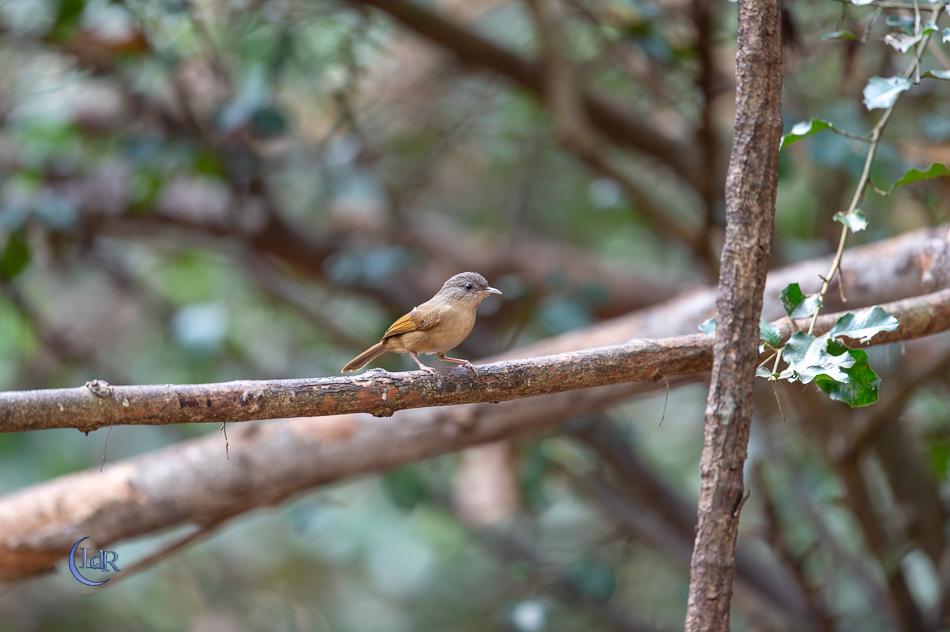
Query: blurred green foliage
pixel 142 146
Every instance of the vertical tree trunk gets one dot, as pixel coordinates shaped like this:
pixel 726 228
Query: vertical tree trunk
pixel 750 204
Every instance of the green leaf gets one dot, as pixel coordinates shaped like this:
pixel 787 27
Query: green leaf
pixel 14 257
pixel 937 74
pixel 862 383
pixel 843 373
pixel 797 304
pixel 769 334
pixel 838 35
pixel 864 325
pixel 935 170
pixel 856 220
pixel 797 345
pixel 882 92
pixel 945 38
pixel 708 326
pixel 808 357
pixel 766 372
pixel 802 130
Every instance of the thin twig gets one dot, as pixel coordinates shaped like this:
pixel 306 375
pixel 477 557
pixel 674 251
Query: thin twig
pixel 861 188
pixel 105 448
pixel 665 400
pixel 874 139
pixel 200 532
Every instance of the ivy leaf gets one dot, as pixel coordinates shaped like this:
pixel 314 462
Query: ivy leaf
pixel 856 220
pixel 809 356
pixel 797 304
pixel 935 170
pixel 945 38
pixel 938 74
pixel 838 35
pixel 797 345
pixel 766 372
pixel 708 326
pixel 769 334
pixel 14 256
pixel 802 130
pixel 862 383
pixel 882 92
pixel 841 372
pixel 901 41
pixel 864 325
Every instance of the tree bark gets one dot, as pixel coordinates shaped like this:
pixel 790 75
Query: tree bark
pixel 750 204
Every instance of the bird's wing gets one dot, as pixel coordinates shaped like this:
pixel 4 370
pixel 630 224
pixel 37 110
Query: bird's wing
pixel 416 320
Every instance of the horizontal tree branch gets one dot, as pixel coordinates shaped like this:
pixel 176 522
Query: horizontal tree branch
pixel 98 404
pixel 378 392
pixel 193 483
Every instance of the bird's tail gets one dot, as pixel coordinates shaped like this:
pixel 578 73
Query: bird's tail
pixel 365 358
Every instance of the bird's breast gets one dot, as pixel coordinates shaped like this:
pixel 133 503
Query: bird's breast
pixel 454 326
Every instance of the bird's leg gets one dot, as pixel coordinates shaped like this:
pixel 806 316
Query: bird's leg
pixel 468 365
pixel 427 369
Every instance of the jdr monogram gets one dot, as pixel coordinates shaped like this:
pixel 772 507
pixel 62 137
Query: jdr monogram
pixel 102 560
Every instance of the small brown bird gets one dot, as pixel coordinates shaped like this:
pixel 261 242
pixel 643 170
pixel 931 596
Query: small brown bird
pixel 436 326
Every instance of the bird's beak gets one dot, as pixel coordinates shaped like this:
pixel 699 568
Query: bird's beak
pixel 492 290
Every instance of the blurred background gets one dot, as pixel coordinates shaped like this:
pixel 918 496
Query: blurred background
pixel 207 190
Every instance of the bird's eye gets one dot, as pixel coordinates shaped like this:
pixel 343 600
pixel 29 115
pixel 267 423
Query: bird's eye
pixel 468 286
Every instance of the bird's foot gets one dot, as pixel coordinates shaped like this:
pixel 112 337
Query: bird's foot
pixel 468 365
pixel 422 367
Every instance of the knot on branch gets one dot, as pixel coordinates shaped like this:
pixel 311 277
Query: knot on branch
pixel 99 388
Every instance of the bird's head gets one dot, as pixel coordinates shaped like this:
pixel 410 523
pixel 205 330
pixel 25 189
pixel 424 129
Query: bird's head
pixel 469 287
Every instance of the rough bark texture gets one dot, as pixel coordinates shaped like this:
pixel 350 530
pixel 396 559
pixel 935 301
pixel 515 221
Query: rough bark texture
pixel 98 405
pixel 750 204
pixel 193 482
pixel 379 393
